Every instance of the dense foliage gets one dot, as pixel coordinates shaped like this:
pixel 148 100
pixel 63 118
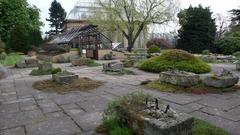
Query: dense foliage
pixel 175 59
pixel 18 13
pixel 57 17
pixel 198 29
pixel 19 39
pixel 153 49
pixel 229 45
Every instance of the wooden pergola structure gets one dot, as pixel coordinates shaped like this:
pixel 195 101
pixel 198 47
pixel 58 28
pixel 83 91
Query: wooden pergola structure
pixel 87 37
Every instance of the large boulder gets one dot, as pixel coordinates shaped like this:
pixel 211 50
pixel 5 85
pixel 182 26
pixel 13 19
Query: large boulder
pixel 179 78
pixel 3 72
pixel 21 64
pixel 223 79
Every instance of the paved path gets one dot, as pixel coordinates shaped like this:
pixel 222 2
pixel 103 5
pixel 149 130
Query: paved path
pixel 25 111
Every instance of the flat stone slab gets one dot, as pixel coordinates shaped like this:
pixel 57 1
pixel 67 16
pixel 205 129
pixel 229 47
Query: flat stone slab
pixel 13 131
pixel 63 126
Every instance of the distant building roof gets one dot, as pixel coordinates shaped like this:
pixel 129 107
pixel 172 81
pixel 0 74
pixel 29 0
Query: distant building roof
pixel 81 10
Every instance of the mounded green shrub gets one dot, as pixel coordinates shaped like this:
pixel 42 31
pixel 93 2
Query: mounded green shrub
pixel 175 59
pixel 229 45
pixel 153 49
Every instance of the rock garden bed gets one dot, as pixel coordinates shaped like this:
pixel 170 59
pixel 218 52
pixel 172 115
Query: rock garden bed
pixel 81 84
pixel 142 114
pixel 181 81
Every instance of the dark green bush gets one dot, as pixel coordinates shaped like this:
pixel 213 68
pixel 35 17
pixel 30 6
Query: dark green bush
pixel 175 59
pixel 229 45
pixel 153 49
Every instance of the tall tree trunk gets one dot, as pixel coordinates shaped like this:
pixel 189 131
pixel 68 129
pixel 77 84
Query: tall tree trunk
pixel 130 42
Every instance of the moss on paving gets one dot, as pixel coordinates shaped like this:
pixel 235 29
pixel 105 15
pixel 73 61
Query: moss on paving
pixel 197 89
pixel 81 84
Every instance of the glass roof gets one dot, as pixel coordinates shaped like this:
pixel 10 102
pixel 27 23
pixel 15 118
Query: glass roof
pixel 81 10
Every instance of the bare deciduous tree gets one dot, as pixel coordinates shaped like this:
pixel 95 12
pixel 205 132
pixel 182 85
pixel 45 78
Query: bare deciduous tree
pixel 131 17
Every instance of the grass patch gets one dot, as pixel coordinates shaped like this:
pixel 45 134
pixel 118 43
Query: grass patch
pixel 175 59
pixel 197 89
pixel 81 84
pixel 11 59
pixel 204 128
pixel 37 72
pixel 92 63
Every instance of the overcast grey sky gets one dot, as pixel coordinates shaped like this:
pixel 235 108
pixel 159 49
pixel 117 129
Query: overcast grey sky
pixel 217 6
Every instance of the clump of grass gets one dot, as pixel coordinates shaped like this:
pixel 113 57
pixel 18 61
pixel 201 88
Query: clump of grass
pixel 203 128
pixel 81 84
pixel 37 72
pixel 197 89
pixel 11 59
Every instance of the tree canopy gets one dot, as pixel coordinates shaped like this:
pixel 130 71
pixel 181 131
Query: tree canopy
pixel 56 19
pixel 198 29
pixel 131 17
pixel 18 14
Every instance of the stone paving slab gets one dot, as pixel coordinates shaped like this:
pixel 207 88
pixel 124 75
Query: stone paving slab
pixel 13 131
pixel 26 111
pixel 63 126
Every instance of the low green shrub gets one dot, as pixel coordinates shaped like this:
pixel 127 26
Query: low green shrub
pixel 175 59
pixel 205 52
pixel 153 49
pixel 229 45
pixel 37 72
pixel 56 70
